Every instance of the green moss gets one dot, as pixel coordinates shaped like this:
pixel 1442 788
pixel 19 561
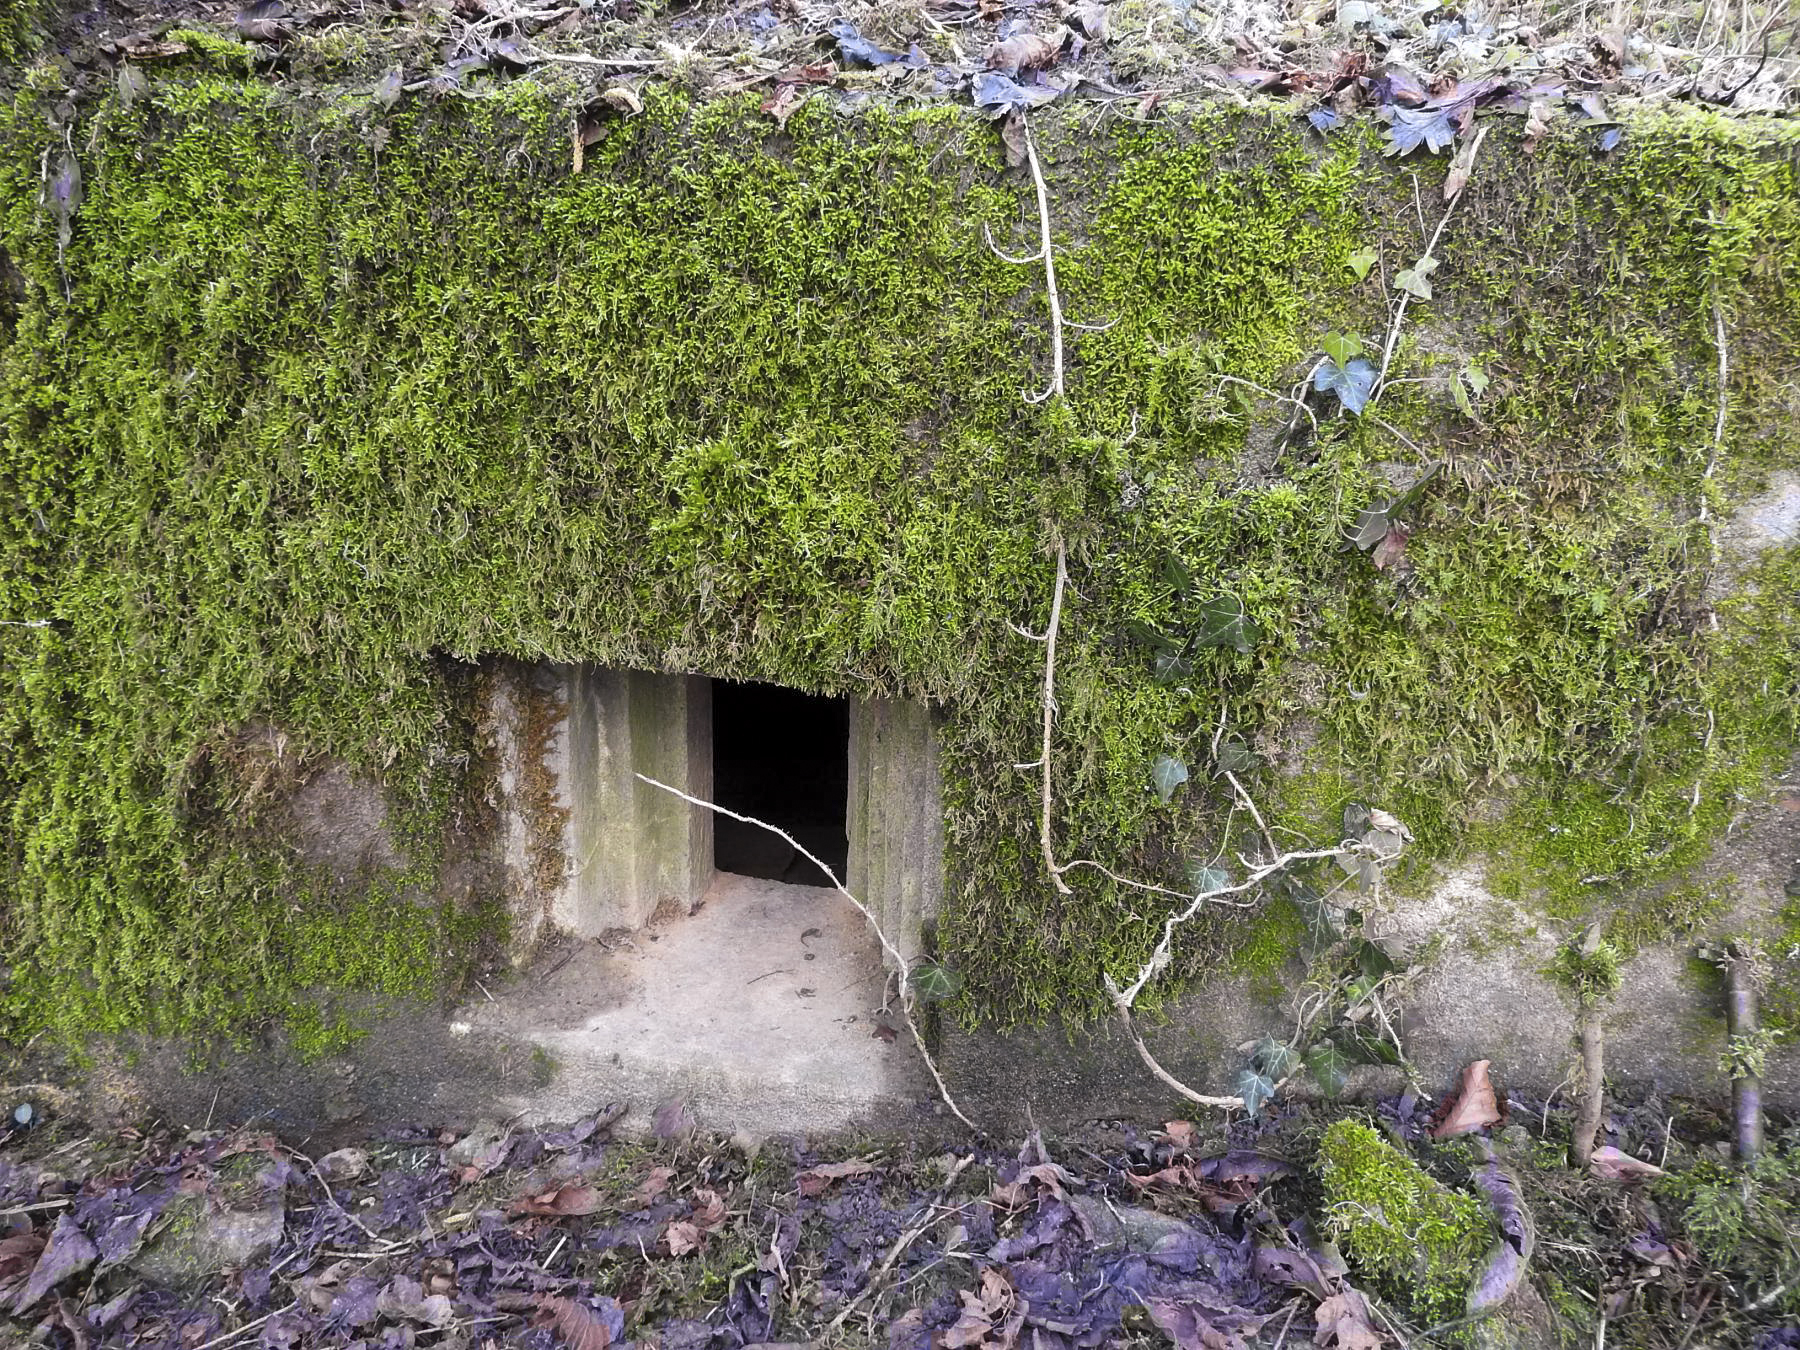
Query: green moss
pixel 1415 1238
pixel 1592 976
pixel 319 399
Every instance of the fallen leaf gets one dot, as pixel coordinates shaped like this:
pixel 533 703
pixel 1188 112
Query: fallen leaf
pixel 1026 51
pixel 673 1118
pixel 1391 548
pixel 990 1317
pixel 578 1326
pixel 261 19
pixel 1012 138
pixel 709 1210
pixel 1343 1321
pixel 1506 1262
pixel 683 1237
pixel 69 1252
pixel 1194 1325
pixel 565 1200
pixel 784 103
pixel 1474 1107
pixel 653 1186
pixel 816 1180
pixel 1609 1164
pixel 1180 1133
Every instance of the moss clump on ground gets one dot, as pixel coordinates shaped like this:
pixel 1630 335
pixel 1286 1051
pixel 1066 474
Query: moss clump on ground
pixel 1416 1238
pixel 317 392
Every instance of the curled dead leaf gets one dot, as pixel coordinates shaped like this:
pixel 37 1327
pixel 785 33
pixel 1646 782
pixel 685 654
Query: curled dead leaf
pixel 623 99
pixel 564 1200
pixel 653 1186
pixel 816 1180
pixel 1609 1164
pixel 1027 51
pixel 1475 1106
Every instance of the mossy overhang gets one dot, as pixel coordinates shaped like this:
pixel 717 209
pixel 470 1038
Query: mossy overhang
pixel 309 400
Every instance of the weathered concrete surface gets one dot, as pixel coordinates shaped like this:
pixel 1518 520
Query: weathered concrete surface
pixel 759 1010
pixel 337 820
pixel 1045 1076
pixel 896 818
pixel 632 847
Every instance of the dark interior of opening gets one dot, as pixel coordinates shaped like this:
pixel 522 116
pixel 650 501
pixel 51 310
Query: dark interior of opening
pixel 784 757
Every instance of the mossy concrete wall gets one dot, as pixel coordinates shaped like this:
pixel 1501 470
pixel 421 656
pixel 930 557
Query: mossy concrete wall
pixel 310 405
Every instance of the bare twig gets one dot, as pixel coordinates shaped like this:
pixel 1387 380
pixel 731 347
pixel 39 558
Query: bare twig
pixel 899 961
pixel 247 1327
pixel 904 1241
pixel 1741 1024
pixel 1591 1035
pixel 1393 337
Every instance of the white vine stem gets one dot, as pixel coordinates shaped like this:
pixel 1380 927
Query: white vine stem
pixel 906 991
pixel 1393 338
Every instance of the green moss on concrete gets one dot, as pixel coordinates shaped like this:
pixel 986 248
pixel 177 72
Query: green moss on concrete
pixel 320 394
pixel 1416 1239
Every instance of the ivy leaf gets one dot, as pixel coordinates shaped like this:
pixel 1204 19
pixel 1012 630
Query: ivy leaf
pixel 1234 756
pixel 1361 262
pixel 1273 1059
pixel 1176 573
pixel 1461 395
pixel 1352 383
pixel 1167 774
pixel 1254 1089
pixel 1362 1046
pixel 1372 961
pixel 1329 1067
pixel 1171 670
pixel 1207 880
pixel 1476 378
pixel 1224 623
pixel 1417 279
pixel 1153 638
pixel 1342 347
pixel 1372 524
pixel 935 983
pixel 1409 128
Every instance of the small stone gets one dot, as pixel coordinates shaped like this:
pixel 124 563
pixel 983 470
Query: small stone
pixel 465 1151
pixel 1515 1138
pixel 197 1240
pixel 1099 1222
pixel 23 1115
pixel 1145 1228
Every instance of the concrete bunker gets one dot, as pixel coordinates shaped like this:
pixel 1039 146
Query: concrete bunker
pixel 710 959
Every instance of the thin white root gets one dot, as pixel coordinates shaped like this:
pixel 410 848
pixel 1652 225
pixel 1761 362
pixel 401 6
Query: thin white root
pixel 1163 1075
pixel 899 961
pixel 1050 635
pixel 1393 337
pixel 1055 389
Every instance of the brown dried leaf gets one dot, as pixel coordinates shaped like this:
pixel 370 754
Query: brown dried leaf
pixel 784 103
pixel 1012 137
pixel 1181 1133
pixel 1391 549
pixel 709 1210
pixel 578 1327
pixel 683 1237
pixel 1609 1164
pixel 1026 51
pixel 816 1180
pixel 1343 1321
pixel 653 1186
pixel 1475 1107
pixel 565 1200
